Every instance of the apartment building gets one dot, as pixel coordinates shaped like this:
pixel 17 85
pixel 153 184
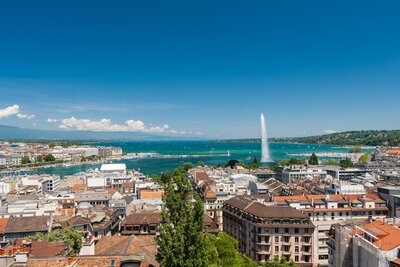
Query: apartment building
pixel 326 210
pixel 264 232
pixel 363 243
pixel 295 172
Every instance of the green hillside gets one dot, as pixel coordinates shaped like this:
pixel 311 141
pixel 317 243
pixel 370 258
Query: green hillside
pixel 350 138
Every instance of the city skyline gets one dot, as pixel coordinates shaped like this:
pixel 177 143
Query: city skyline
pixel 203 70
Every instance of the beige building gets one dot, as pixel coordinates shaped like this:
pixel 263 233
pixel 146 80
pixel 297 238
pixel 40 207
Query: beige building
pixel 264 232
pixel 326 210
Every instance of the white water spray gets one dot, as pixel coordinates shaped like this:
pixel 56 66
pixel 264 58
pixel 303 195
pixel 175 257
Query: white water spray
pixel 265 156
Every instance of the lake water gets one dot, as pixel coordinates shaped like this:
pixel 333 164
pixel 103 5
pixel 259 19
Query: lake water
pixel 209 152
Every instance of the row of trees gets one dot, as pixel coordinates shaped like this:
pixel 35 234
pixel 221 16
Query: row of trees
pixel 39 159
pixel 313 160
pixel 183 241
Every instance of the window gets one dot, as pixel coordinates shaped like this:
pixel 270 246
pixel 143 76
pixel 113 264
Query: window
pixel 286 230
pixel 306 230
pixel 276 239
pixel 296 258
pixel 296 230
pixel 112 263
pixel 276 248
pixel 276 230
pixel 296 239
pixel 296 249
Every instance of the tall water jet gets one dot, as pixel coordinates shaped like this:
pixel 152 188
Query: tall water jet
pixel 265 156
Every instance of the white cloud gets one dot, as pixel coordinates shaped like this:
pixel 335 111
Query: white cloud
pixel 106 125
pixel 9 111
pixel 51 120
pixel 25 116
pixel 330 131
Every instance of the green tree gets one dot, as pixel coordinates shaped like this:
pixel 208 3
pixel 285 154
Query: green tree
pixel 166 177
pixel 313 160
pixel 69 235
pixel 355 149
pixel 181 242
pixel 224 252
pixel 292 161
pixel 276 262
pixel 200 163
pixel 187 166
pixel 49 158
pixel 346 163
pixel 25 160
pixel 39 158
pixel 255 164
pixel 330 162
pixel 364 158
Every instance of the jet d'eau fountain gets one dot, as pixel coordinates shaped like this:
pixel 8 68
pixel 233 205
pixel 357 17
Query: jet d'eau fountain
pixel 265 156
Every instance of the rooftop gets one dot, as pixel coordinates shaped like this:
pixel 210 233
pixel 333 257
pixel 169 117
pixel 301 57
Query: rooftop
pixel 113 167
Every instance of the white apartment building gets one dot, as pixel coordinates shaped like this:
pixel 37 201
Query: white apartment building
pixel 295 172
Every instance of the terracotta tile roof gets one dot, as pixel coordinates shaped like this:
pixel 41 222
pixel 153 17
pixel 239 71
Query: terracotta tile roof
pixel 145 194
pixel 48 249
pixel 3 224
pixel 145 245
pixel 27 224
pixel 203 176
pixel 89 261
pixel 142 218
pixel 111 191
pixel 78 220
pixel 79 188
pixel 210 194
pixel 127 185
pixel 388 235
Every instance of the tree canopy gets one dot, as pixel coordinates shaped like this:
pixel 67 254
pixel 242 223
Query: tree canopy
pixel 181 242
pixel 49 158
pixel 69 235
pixel 276 262
pixel 313 160
pixel 346 163
pixel 25 160
pixel 224 252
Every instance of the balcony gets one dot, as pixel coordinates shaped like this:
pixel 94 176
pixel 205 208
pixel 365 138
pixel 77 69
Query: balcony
pixel 307 252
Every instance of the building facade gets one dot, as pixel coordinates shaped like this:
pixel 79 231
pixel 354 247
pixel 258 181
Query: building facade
pixel 265 232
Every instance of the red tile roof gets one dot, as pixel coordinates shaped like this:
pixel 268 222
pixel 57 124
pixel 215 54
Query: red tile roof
pixel 388 236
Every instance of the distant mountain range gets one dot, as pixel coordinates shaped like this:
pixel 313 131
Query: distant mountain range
pixel 16 133
pixel 349 138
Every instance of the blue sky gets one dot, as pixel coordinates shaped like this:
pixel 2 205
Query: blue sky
pixel 204 68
